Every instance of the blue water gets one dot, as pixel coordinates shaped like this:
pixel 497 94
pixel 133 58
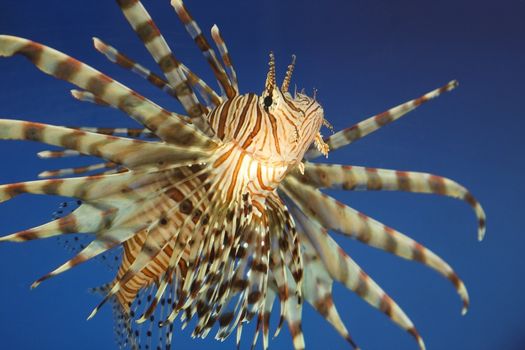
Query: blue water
pixel 363 57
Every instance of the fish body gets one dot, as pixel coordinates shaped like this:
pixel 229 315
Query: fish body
pixel 220 212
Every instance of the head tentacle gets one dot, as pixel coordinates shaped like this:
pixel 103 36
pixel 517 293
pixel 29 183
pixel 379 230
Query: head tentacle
pixel 288 76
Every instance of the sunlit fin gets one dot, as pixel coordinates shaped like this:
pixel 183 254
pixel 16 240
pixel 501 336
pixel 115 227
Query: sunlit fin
pixel 160 234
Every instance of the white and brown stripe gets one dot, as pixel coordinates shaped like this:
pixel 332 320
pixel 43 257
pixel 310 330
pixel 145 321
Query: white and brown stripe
pixel 124 61
pixel 335 215
pixel 168 126
pixel 149 34
pixel 355 178
pixel 77 170
pixel 196 34
pixel 343 269
pixel 367 126
pixel 214 219
pixel 58 154
pixel 119 150
pixel 129 132
pixel 223 49
pixel 87 96
pixel 277 136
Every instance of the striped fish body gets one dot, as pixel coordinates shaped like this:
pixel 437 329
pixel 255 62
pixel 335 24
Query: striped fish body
pixel 219 215
pixel 175 207
pixel 263 141
pixel 260 144
pixel 209 248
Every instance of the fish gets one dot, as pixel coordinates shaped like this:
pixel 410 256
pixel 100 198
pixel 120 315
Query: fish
pixel 219 213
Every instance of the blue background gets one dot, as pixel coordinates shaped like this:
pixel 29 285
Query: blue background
pixel 364 56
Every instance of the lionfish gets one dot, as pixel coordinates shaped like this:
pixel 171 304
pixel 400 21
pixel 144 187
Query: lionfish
pixel 220 212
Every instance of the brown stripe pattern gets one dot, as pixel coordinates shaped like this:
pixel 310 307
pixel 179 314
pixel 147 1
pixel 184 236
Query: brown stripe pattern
pixel 367 126
pixel 124 61
pixel 357 178
pixel 335 215
pixel 223 49
pixel 149 34
pixel 167 126
pixel 218 214
pixel 196 34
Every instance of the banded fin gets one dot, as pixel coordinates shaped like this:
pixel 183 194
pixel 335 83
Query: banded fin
pixel 355 178
pixel 225 55
pixel 129 132
pixel 168 126
pixel 85 219
pixel 209 95
pixel 149 34
pixel 126 62
pixel 85 188
pixel 101 244
pixel 130 153
pixel 337 216
pixel 77 170
pixel 343 269
pixel 317 290
pixel 86 96
pixel 59 154
pixel 293 310
pixel 161 235
pixel 374 123
pixel 200 40
pixel 75 243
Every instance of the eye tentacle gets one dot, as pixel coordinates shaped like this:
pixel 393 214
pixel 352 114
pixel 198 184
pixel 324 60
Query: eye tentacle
pixel 288 76
pixel 270 77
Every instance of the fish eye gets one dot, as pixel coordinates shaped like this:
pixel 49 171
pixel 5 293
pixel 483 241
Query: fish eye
pixel 267 101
